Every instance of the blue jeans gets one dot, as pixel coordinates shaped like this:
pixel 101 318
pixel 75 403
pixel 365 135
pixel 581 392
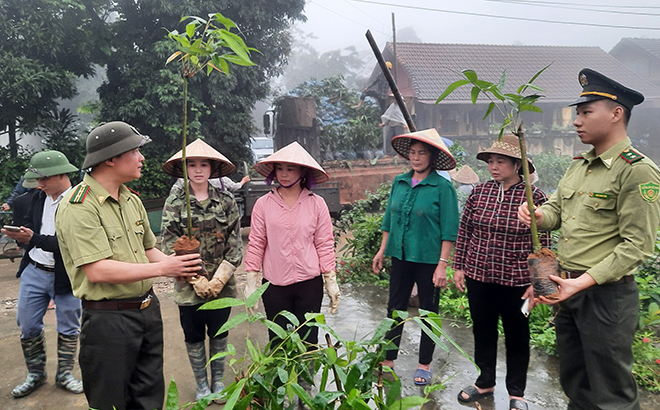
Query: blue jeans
pixel 36 291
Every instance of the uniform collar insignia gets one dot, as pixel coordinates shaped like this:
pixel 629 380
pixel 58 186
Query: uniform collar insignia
pixel 608 162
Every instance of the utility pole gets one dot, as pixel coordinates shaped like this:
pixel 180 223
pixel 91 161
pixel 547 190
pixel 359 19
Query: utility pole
pixel 394 47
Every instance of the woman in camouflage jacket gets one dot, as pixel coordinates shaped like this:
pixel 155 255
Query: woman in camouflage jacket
pixel 216 225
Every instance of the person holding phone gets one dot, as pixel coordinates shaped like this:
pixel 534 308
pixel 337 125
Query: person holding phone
pixel 490 261
pixel 43 276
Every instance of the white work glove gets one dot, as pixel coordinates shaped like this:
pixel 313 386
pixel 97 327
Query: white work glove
pixel 201 286
pixel 252 283
pixel 330 282
pixel 221 277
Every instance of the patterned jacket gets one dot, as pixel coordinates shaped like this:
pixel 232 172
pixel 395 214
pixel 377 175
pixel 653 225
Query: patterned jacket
pixel 216 225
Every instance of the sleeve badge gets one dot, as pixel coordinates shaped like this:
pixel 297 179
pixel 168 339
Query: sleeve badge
pixel 649 191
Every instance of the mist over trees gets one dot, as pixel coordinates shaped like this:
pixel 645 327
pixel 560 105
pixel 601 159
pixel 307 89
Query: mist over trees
pixel 54 42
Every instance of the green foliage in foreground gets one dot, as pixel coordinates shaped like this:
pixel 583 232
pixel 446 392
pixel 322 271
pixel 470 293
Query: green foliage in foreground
pixel 271 377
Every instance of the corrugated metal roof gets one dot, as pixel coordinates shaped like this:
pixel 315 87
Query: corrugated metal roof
pixel 432 67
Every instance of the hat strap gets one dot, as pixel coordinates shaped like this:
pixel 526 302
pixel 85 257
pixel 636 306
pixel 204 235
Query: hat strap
pixel 613 97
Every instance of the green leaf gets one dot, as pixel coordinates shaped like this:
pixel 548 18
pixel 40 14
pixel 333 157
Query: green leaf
pixel 190 29
pixel 324 398
pixel 317 317
pixel 228 23
pixel 331 355
pixel 475 94
pixel 254 297
pixel 255 354
pixel 231 401
pixel 530 107
pixel 451 89
pixel 400 314
pixel 221 304
pixel 409 402
pixel 491 106
pixel 172 401
pixel 283 375
pixel 433 387
pixel 275 328
pixel 290 317
pixel 393 393
pixel 384 327
pixel 234 59
pixel 500 84
pixel 231 351
pixel 236 44
pixel 471 75
pixel 300 392
pixel 535 77
pixel 233 322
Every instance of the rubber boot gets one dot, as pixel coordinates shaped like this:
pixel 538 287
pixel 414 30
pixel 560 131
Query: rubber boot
pixel 216 346
pixel 34 350
pixel 197 356
pixel 66 352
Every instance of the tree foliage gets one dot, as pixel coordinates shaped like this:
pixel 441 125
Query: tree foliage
pixel 145 93
pixel 343 125
pixel 46 45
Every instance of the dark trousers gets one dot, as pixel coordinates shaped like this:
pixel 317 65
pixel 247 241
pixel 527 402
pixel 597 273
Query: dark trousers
pixel 403 277
pixel 195 323
pixel 121 358
pixel 595 333
pixel 297 298
pixel 489 302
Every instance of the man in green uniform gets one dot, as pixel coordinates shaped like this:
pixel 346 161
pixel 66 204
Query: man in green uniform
pixel 608 210
pixel 109 252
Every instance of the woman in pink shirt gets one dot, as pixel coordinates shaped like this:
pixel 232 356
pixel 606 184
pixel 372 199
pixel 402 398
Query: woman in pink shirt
pixel 291 240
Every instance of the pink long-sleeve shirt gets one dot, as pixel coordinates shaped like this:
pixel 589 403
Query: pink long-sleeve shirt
pixel 290 245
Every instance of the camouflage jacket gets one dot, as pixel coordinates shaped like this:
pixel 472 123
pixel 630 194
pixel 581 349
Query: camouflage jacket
pixel 216 226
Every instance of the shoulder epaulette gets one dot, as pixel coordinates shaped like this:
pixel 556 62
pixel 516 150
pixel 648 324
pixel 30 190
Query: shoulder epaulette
pixel 581 156
pixel 133 191
pixel 79 194
pixel 631 156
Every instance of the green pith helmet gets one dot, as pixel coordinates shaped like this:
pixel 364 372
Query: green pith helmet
pixel 47 164
pixel 112 139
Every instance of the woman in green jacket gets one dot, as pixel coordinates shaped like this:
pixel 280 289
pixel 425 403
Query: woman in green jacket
pixel 419 227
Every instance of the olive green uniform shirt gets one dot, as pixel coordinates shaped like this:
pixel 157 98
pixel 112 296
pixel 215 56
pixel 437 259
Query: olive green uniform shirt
pixel 97 227
pixel 608 211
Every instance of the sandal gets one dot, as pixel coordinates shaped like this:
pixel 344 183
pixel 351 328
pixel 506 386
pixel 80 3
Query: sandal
pixel 425 375
pixel 517 404
pixel 473 395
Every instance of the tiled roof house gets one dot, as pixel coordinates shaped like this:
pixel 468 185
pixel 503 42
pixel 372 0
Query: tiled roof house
pixel 424 70
pixel 640 55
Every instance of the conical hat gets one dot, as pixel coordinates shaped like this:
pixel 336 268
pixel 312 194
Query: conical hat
pixel 508 146
pixel 295 154
pixel 464 175
pixel 445 160
pixel 200 149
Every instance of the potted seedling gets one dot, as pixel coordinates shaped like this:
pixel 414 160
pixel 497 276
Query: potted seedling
pixel 542 262
pixel 205 46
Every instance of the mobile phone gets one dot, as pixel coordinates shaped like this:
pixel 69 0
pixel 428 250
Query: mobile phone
pixel 525 308
pixel 12 228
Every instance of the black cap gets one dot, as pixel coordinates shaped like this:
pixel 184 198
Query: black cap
pixel 596 86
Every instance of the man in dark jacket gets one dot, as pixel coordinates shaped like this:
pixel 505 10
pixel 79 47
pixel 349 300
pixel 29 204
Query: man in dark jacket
pixel 43 277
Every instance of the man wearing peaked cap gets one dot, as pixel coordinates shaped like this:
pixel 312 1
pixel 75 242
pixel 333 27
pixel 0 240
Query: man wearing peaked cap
pixel 110 256
pixel 43 277
pixel 608 210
